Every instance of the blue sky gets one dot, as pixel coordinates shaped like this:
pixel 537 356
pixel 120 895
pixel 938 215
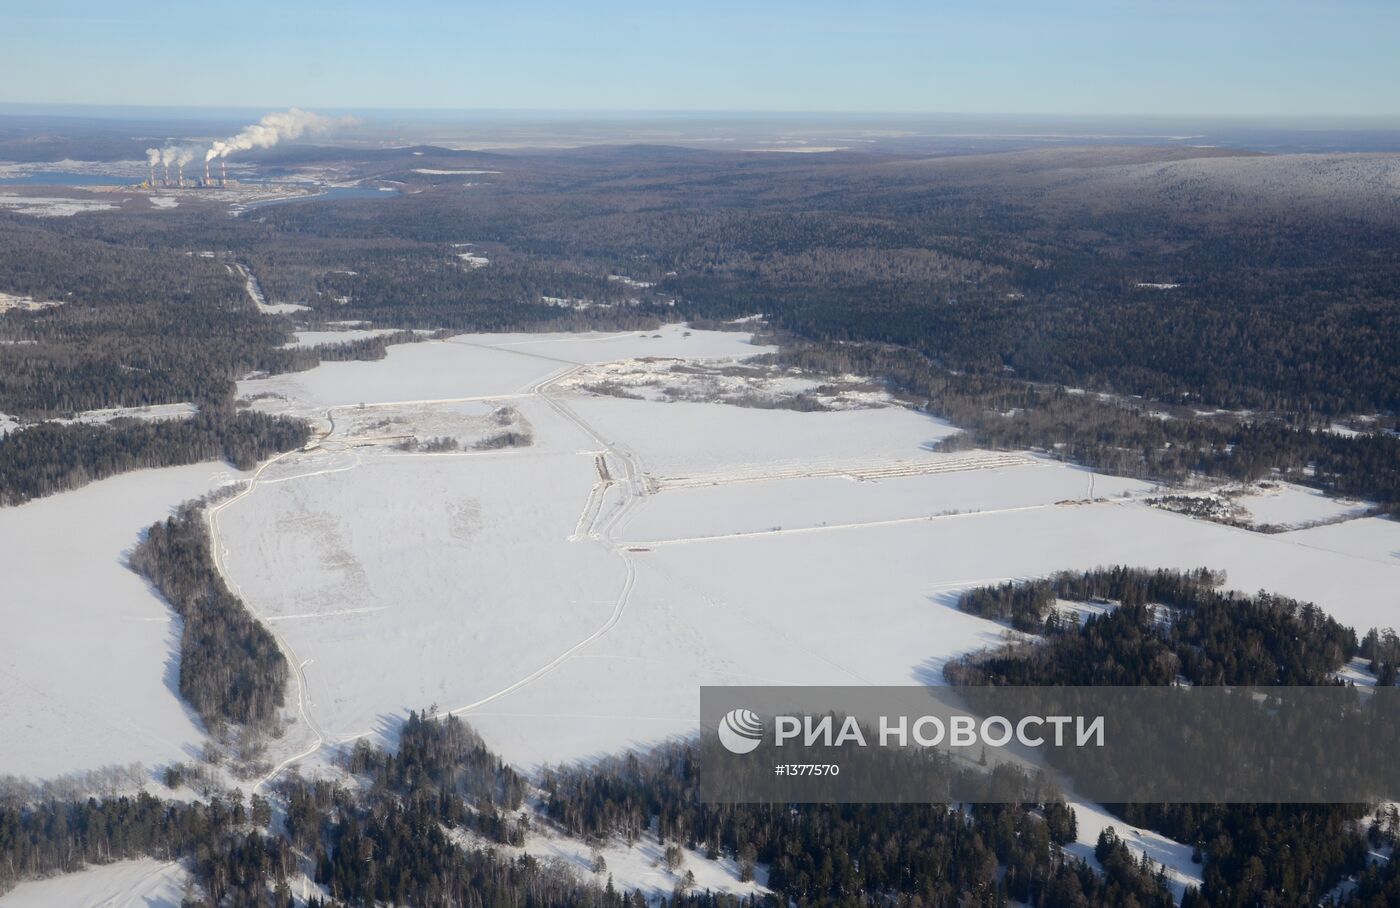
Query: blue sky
pixel 1225 57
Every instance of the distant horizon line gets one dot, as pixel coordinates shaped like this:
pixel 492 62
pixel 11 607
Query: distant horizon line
pixel 177 110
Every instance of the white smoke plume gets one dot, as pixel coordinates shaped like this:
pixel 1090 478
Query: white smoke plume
pixel 267 132
pixel 173 154
pixel 273 128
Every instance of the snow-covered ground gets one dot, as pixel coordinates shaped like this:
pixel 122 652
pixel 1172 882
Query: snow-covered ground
pixel 1371 538
pixel 143 883
pixel 639 867
pixel 58 207
pixel 1288 505
pixel 568 594
pixel 598 347
pixel 308 339
pixel 255 294
pixel 702 442
pixel 152 412
pixel 1173 856
pixel 88 656
pixel 788 504
pixel 432 370
pixel 672 543
pixel 867 605
pixel 10 302
pixel 479 366
pixel 670 380
pixel 458 565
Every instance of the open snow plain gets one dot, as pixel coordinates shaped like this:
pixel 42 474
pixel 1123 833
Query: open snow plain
pixel 88 658
pixel 568 595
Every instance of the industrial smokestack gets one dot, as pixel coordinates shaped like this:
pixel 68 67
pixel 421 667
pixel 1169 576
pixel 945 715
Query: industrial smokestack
pixel 181 171
pixel 206 171
pixel 152 158
pixel 223 174
pixel 167 174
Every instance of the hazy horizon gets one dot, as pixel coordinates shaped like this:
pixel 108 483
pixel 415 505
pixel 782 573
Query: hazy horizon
pixel 238 111
pixel 1078 58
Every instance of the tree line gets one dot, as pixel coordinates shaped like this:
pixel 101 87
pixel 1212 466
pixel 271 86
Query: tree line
pixel 54 457
pixel 1123 438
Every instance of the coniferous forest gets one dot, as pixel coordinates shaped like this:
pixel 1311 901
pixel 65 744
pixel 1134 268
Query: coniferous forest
pixel 231 670
pixel 1165 627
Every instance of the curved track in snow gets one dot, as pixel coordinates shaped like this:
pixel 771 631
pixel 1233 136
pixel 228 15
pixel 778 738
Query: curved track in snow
pixel 631 487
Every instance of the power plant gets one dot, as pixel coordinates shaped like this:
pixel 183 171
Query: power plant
pixel 167 169
pixel 265 133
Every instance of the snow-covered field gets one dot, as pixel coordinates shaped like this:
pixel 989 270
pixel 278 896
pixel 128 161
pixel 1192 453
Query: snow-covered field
pixel 479 366
pixel 701 443
pixel 143 883
pixel 87 659
pixel 974 482
pixel 416 580
pixel 1289 505
pixel 867 605
pixel 1370 538
pixel 567 593
pixel 569 597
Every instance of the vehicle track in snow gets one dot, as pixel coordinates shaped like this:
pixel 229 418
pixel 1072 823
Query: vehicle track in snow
pixel 631 485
